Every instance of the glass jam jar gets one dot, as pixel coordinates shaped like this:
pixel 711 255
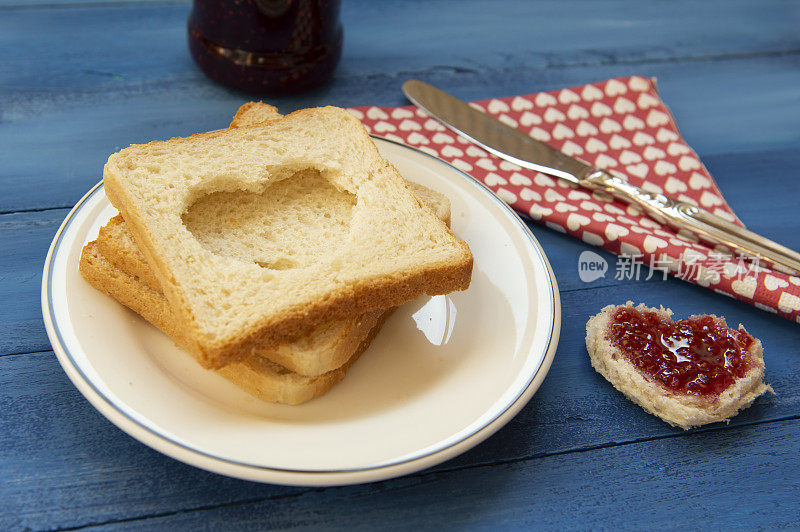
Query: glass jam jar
pixel 266 46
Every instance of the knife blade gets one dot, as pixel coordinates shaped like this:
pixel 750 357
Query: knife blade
pixel 494 136
pixel 515 146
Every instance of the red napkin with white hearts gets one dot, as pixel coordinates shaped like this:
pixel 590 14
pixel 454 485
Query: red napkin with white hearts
pixel 623 126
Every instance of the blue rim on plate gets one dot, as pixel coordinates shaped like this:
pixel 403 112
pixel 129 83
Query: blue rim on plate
pixel 65 356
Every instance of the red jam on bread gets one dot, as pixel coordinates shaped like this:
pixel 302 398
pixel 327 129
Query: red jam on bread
pixel 697 356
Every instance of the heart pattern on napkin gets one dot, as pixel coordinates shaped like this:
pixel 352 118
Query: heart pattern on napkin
pixel 620 125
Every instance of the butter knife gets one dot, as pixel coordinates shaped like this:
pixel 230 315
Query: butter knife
pixel 515 146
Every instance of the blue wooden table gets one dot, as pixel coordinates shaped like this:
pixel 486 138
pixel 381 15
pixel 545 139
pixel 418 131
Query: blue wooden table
pixel 79 80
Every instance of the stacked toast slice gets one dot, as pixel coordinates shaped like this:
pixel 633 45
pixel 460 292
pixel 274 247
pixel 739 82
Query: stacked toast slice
pixel 275 268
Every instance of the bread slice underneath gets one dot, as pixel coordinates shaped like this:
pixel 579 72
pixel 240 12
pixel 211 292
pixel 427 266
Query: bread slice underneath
pixel 259 234
pixel 255 374
pixel 680 410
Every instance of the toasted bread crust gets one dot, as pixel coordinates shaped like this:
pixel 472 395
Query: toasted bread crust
pixel 367 297
pixel 680 410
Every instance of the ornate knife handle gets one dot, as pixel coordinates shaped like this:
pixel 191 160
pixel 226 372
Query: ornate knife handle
pixel 701 223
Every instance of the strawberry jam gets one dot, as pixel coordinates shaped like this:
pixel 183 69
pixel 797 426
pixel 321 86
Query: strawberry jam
pixel 697 355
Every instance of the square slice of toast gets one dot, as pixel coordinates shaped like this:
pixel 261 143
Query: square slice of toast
pixel 258 234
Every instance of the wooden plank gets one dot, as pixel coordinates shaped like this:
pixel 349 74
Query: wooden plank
pixel 63 97
pixel 762 188
pixel 59 450
pixel 63 465
pixel 24 239
pixel 548 33
pixel 717 479
pixel 79 138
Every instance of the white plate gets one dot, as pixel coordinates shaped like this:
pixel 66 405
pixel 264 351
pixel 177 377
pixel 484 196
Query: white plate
pixel 444 374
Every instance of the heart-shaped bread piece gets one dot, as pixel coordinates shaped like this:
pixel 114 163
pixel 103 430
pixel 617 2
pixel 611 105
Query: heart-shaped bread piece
pixel 688 372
